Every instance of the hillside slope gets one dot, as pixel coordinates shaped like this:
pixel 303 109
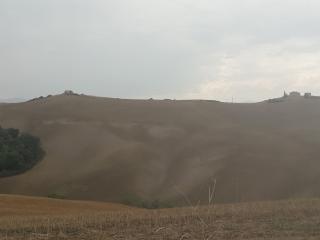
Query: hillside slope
pixel 14 205
pixel 112 149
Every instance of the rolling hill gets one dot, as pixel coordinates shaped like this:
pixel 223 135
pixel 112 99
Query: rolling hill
pixel 113 149
pixel 15 205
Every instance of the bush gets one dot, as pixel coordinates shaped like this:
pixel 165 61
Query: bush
pixel 18 152
pixel 57 195
pixel 136 201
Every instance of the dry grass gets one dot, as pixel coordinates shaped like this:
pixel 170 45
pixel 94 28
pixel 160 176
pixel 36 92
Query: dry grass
pixel 296 219
pixel 14 205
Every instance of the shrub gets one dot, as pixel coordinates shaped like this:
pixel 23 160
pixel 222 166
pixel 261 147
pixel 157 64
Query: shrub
pixel 136 201
pixel 18 152
pixel 57 195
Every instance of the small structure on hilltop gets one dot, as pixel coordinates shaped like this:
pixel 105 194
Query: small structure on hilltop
pixel 307 95
pixel 68 92
pixel 295 94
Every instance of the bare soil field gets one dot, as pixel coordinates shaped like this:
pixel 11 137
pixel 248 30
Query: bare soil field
pixel 105 149
pixel 291 219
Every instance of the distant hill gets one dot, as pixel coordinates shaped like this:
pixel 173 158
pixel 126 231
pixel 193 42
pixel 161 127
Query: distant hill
pixel 11 100
pixel 114 150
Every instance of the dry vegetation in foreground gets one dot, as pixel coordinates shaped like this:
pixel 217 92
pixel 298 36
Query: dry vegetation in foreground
pixel 296 219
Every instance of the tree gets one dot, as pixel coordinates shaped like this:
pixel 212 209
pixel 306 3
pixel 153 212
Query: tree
pixel 18 151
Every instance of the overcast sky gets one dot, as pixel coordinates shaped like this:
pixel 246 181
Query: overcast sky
pixel 210 49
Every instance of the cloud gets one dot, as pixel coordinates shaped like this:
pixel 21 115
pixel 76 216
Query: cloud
pixel 261 71
pixel 168 49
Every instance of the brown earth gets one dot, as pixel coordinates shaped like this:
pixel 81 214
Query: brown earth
pixel 111 149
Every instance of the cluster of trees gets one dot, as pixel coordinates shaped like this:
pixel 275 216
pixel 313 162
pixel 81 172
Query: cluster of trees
pixel 18 151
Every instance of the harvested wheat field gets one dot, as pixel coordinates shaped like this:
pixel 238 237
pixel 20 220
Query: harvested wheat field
pixel 291 219
pixel 12 205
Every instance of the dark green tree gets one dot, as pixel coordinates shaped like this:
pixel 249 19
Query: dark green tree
pixel 18 151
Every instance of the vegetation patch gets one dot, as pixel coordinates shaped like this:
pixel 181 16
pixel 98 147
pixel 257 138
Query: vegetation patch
pixel 19 152
pixel 136 201
pixel 57 195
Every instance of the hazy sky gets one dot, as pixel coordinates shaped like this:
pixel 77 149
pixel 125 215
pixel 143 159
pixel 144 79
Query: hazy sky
pixel 212 49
